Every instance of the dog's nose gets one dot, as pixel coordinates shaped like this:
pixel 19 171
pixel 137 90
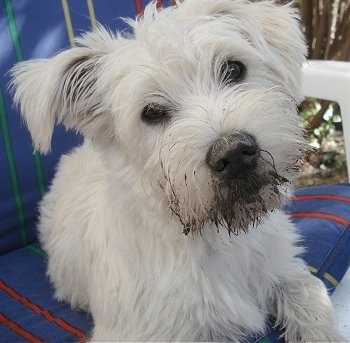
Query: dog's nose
pixel 233 156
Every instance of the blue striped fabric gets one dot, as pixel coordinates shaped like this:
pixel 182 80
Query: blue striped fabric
pixel 32 29
pixel 36 29
pixel 23 271
pixel 26 299
pixel 322 214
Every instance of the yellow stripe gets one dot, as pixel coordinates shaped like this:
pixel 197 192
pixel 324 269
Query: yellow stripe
pixel 327 276
pixel 312 270
pixel 331 279
pixel 90 5
pixel 68 22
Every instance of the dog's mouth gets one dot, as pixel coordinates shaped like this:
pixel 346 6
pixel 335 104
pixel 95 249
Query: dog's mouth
pixel 236 204
pixel 245 202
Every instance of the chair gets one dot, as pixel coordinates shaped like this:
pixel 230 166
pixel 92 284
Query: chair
pixel 28 312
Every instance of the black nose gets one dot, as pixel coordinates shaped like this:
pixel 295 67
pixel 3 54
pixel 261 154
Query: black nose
pixel 234 155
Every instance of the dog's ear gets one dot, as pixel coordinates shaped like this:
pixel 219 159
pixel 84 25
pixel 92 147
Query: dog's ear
pixel 287 48
pixel 271 27
pixel 62 89
pixel 282 29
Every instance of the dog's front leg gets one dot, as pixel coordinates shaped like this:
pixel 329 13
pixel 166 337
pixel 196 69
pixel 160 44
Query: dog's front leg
pixel 304 309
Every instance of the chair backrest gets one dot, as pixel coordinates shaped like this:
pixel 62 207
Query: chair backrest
pixel 330 80
pixel 39 29
pixel 34 29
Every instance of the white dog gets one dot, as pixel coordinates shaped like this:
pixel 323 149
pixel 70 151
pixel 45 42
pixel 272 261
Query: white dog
pixel 165 224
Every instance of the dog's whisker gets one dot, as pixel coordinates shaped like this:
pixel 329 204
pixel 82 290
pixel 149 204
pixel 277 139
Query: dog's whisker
pixel 272 162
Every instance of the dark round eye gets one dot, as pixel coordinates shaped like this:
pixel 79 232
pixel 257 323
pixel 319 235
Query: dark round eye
pixel 233 71
pixel 155 113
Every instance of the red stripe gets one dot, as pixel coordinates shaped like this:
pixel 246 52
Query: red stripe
pixel 321 196
pixel 320 215
pixel 45 313
pixel 138 5
pixel 139 8
pixel 18 329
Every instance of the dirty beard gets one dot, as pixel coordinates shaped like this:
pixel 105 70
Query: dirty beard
pixel 238 204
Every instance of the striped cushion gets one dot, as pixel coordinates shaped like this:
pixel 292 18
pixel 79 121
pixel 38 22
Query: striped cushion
pixel 322 214
pixel 37 29
pixel 27 309
pixel 34 29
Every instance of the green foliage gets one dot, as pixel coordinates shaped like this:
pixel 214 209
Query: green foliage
pixel 323 137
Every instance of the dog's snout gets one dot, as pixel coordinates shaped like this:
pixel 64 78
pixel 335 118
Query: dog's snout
pixel 233 155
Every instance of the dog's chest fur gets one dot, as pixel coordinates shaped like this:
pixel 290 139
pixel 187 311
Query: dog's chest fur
pixel 190 280
pixel 185 279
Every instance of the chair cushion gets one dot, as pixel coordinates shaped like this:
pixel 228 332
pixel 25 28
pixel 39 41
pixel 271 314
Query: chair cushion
pixel 32 29
pixel 28 309
pixel 322 214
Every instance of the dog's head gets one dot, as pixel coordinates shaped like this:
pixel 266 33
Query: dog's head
pixel 200 104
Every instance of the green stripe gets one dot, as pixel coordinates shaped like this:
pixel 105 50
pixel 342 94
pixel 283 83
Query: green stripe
pixel 263 340
pixel 36 250
pixel 13 29
pixel 12 170
pixel 39 174
pixel 19 56
pixel 7 141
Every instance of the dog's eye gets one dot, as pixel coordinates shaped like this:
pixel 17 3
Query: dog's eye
pixel 233 71
pixel 154 113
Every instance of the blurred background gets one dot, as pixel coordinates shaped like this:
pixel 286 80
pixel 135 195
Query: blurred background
pixel 326 24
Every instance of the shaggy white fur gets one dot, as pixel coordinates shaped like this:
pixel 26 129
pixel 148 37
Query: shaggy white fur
pixel 156 224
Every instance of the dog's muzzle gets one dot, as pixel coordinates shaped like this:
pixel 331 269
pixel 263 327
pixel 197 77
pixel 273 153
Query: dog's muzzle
pixel 233 156
pixel 243 187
